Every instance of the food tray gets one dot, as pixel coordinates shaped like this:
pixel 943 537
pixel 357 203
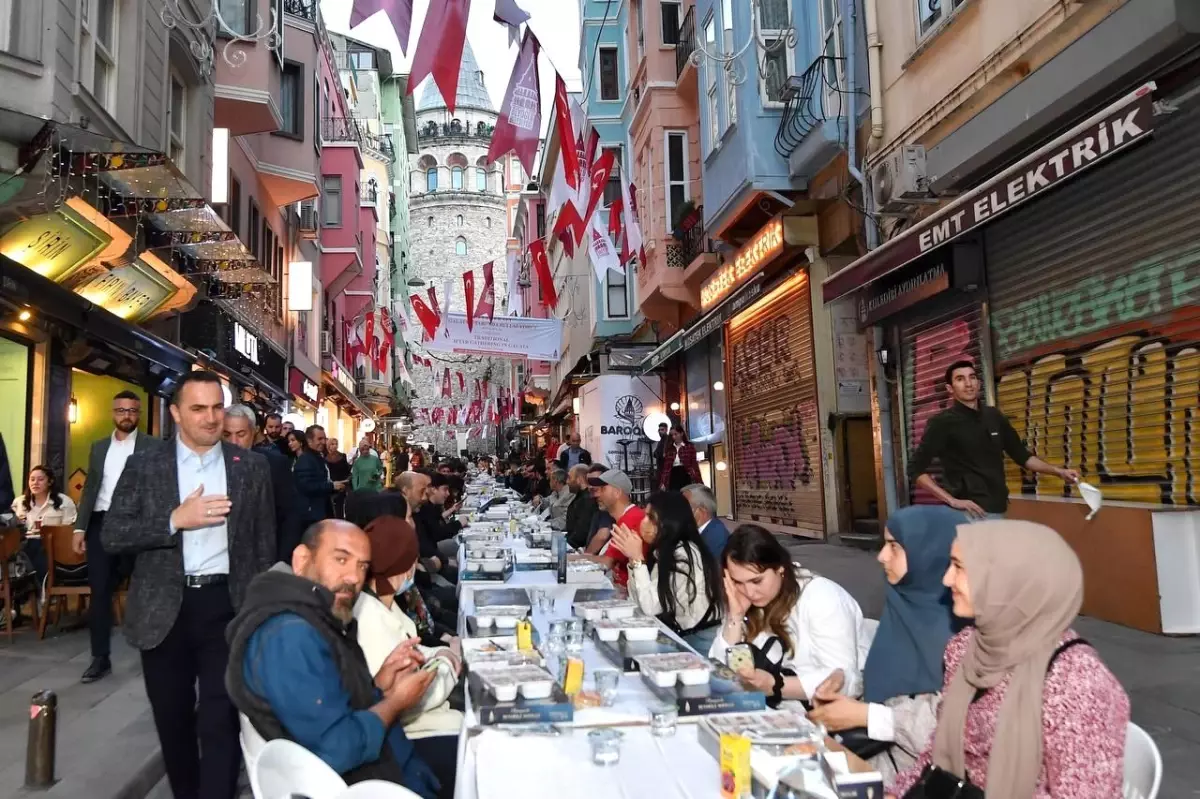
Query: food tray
pixel 637 628
pixel 492 597
pixel 488 646
pixel 665 670
pixel 771 726
pixel 717 696
pixel 556 708
pixel 605 609
pixel 623 653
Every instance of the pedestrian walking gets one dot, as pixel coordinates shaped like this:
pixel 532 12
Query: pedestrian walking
pixel 970 441
pixel 105 466
pixel 199 518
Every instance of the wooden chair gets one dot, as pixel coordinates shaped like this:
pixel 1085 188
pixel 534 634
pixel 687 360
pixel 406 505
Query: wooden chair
pixel 10 544
pixel 59 557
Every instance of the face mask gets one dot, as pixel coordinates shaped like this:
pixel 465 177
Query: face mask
pixel 406 585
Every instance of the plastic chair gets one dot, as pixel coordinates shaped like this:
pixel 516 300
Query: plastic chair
pixel 66 574
pixel 285 769
pixel 377 789
pixel 1143 764
pixel 252 743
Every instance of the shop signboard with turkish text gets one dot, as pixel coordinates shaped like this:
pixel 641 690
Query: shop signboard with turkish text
pixel 905 288
pixel 301 386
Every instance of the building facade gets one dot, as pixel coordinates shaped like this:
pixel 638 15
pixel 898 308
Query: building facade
pixel 458 221
pixel 1038 200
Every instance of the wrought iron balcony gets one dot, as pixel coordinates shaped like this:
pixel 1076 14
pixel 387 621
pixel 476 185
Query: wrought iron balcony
pixel 810 100
pixel 693 239
pixel 305 9
pixel 341 129
pixel 369 195
pixel 687 41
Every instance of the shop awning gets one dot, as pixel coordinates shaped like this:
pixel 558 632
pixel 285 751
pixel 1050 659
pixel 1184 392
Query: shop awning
pixel 699 330
pixel 1111 131
pixel 21 286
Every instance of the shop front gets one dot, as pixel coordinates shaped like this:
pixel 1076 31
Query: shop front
pixel 305 395
pixel 344 413
pixel 254 367
pixel 1082 310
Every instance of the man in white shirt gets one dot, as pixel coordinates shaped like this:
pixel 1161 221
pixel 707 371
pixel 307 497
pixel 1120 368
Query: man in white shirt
pixel 200 518
pixel 105 465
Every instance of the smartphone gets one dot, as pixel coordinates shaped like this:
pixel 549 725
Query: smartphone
pixel 740 657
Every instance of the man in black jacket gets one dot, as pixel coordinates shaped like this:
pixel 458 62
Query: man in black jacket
pixel 314 487
pixel 240 425
pixel 436 524
pixel 582 509
pixel 574 454
pixel 295 637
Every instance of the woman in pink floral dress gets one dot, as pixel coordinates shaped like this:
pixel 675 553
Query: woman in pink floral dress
pixel 1029 711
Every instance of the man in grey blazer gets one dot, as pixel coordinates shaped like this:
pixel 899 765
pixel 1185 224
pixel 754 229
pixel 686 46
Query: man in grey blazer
pixel 198 515
pixel 105 465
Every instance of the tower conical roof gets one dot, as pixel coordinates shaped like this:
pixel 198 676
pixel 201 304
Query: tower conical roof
pixel 471 89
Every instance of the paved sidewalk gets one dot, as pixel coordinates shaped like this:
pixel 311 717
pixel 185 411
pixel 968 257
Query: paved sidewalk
pixel 1161 674
pixel 107 746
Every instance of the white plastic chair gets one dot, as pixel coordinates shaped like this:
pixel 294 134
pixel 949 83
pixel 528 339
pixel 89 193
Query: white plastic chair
pixel 252 743
pixel 1143 764
pixel 285 768
pixel 377 789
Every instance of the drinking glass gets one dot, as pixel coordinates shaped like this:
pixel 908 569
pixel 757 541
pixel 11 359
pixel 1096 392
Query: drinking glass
pixel 663 719
pixel 574 642
pixel 606 746
pixel 607 682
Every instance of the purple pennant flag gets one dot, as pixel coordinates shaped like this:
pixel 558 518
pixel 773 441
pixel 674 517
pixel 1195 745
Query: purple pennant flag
pixel 512 15
pixel 398 11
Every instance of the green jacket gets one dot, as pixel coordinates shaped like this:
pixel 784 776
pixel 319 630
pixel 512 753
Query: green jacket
pixel 367 473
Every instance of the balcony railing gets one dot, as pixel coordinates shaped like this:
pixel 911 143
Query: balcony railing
pixel 810 100
pixel 432 130
pixel 694 240
pixel 369 195
pixel 335 129
pixel 687 41
pixel 305 9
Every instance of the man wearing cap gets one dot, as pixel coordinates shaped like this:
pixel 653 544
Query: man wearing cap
pixel 613 490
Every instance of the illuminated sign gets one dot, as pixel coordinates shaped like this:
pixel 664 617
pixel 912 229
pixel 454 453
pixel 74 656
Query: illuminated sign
pixel 301 386
pixel 343 378
pixel 760 250
pixel 55 244
pixel 245 342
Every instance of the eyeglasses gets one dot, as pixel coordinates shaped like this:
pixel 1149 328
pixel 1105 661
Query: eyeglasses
pixel 126 411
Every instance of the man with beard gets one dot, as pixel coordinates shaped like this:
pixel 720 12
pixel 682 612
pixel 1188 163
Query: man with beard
pixel 105 465
pixel 313 482
pixel 582 509
pixel 295 640
pixel 199 517
pixel 273 428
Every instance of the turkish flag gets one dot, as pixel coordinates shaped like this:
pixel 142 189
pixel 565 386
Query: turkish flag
pixel 478 392
pixel 440 48
pixel 454 415
pixel 381 360
pixel 520 121
pixel 487 298
pixel 569 227
pixel 537 252
pixel 428 317
pixel 566 133
pixel 433 303
pixel 614 218
pixel 485 386
pixel 446 390
pixel 462 383
pixel 599 178
pixel 398 11
pixel 633 229
pixel 469 293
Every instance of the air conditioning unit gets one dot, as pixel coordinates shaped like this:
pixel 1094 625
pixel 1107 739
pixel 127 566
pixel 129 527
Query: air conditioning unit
pixel 308 219
pixel 900 182
pixel 326 343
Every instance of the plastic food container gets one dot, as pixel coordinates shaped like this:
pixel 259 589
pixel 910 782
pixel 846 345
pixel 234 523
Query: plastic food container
pixel 640 633
pixel 590 613
pixel 620 612
pixel 484 620
pixel 663 678
pixel 491 566
pixel 503 688
pixel 608 630
pixel 667 669
pixel 696 676
pixel 492 552
pixel 506 622
pixel 536 689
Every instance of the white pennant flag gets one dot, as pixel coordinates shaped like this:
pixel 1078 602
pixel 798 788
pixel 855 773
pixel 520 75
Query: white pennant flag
pixel 447 300
pixel 633 228
pixel 514 289
pixel 603 253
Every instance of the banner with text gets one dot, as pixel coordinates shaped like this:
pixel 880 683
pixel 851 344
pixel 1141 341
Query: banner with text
pixel 512 336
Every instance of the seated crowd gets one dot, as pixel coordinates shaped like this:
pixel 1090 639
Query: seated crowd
pixel 972 674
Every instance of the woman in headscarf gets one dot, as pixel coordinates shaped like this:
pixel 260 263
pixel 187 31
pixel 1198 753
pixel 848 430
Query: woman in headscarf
pixel 902 678
pixel 1029 711
pixel 383 624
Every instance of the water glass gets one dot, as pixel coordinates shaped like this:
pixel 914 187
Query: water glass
pixel 663 719
pixel 574 642
pixel 559 627
pixel 607 682
pixel 575 625
pixel 606 746
pixel 535 597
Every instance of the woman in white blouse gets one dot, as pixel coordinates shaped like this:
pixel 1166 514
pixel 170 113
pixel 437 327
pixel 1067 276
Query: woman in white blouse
pixel 42 504
pixel 801 627
pixel 682 588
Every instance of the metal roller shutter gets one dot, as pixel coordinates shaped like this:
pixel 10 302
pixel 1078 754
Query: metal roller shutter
pixel 1095 316
pixel 775 424
pixel 929 343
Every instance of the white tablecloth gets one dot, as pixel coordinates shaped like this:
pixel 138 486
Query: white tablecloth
pixel 501 766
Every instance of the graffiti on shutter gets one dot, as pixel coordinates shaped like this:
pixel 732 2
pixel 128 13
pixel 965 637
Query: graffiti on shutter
pixel 775 428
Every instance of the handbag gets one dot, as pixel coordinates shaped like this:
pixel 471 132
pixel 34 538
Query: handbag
pixel 857 741
pixel 937 783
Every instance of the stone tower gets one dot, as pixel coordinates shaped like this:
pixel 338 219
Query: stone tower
pixel 457 222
